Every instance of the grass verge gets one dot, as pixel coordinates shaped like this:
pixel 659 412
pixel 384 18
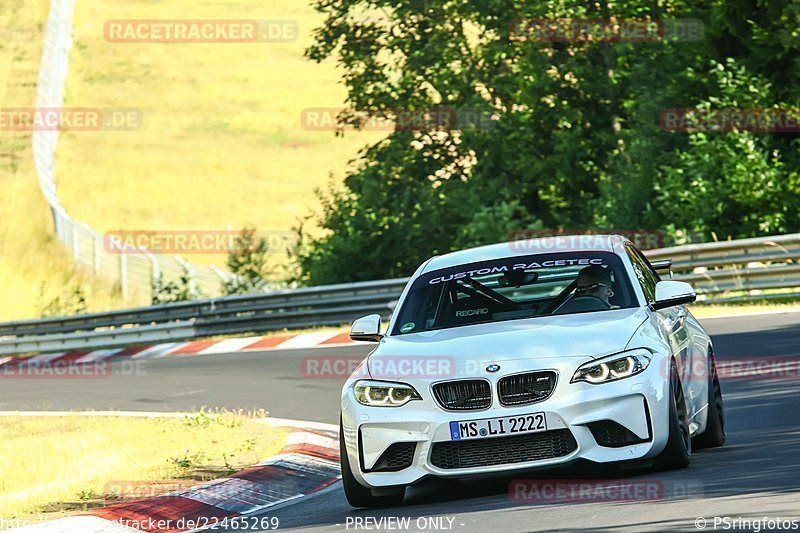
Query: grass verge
pixel 711 311
pixel 53 466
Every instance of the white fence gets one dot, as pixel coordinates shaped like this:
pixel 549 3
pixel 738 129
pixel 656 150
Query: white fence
pixel 131 271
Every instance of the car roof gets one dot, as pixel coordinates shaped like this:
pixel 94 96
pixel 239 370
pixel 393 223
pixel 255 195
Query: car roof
pixel 522 246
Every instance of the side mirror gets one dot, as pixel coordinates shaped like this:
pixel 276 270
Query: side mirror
pixel 367 328
pixel 670 293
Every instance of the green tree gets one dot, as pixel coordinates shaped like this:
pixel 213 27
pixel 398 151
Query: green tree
pixel 247 262
pixel 729 183
pixel 73 303
pixel 574 139
pixel 179 290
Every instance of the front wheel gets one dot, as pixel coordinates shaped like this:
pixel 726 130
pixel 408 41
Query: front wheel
pixel 357 494
pixel 714 434
pixel 678 451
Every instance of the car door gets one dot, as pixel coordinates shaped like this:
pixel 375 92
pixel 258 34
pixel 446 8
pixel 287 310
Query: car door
pixel 676 324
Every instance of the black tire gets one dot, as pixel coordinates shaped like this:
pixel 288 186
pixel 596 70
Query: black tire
pixel 357 494
pixel 678 451
pixel 714 434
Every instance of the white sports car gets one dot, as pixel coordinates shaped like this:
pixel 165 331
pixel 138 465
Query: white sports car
pixel 500 359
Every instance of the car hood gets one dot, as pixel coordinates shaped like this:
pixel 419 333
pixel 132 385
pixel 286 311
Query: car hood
pixel 530 343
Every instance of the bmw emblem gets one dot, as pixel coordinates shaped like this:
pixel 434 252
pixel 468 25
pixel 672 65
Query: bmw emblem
pixel 493 368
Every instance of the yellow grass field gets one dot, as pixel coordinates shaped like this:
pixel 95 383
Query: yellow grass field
pixel 34 267
pixel 63 464
pixel 221 144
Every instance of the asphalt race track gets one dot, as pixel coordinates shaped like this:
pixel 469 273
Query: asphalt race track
pixel 755 475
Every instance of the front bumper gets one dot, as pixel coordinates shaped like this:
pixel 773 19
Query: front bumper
pixel 638 403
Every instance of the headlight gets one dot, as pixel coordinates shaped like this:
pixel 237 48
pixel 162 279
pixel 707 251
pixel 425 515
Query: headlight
pixel 384 393
pixel 614 367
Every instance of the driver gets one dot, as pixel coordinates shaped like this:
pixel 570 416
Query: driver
pixel 595 281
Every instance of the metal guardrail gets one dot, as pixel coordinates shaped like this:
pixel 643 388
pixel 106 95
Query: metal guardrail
pixel 741 251
pixel 331 305
pixel 741 265
pixel 109 337
pixel 714 269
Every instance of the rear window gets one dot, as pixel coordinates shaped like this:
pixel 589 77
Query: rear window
pixel 515 288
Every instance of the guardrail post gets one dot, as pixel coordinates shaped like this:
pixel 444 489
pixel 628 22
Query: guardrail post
pixel 188 266
pixel 76 251
pixel 123 274
pixel 56 221
pixel 96 255
pixel 156 271
pixel 222 275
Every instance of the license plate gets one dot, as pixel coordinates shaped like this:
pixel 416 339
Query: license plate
pixel 498 427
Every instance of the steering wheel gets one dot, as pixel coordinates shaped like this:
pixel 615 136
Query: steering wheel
pixel 582 304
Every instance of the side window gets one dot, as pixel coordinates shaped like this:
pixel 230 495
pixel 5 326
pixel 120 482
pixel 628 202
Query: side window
pixel 647 278
pixel 647 266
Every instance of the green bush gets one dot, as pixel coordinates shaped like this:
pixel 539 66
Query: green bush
pixel 247 262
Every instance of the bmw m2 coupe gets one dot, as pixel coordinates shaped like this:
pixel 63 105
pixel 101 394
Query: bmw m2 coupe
pixel 507 357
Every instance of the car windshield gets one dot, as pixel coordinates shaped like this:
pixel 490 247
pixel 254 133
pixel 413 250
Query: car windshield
pixel 514 288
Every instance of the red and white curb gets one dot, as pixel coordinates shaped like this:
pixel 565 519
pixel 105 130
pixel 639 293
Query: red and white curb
pixel 327 339
pixel 323 339
pixel 308 463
